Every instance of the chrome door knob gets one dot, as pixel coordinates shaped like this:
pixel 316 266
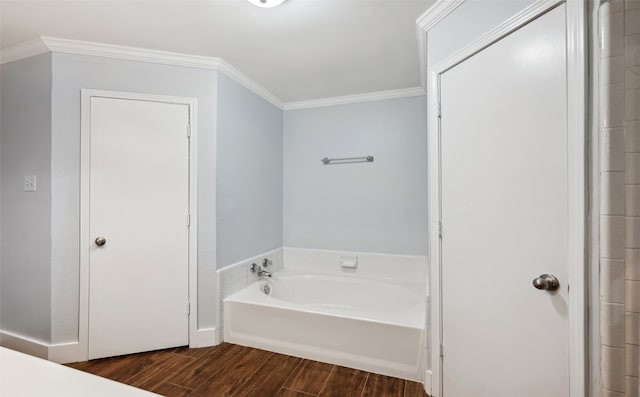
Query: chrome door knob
pixel 100 241
pixel 547 282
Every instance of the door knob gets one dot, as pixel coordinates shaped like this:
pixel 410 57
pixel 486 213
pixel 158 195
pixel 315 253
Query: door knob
pixel 547 282
pixel 100 241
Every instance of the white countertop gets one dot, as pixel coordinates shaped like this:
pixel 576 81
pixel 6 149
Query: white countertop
pixel 25 376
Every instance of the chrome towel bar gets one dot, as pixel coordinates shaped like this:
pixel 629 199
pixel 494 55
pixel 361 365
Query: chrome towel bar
pixel 347 160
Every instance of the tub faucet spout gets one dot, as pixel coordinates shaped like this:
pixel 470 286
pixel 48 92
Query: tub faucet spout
pixel 264 273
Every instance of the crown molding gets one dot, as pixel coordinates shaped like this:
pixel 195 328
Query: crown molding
pixel 357 98
pixel 42 45
pixel 130 53
pixel 250 84
pixel 23 50
pixel 436 13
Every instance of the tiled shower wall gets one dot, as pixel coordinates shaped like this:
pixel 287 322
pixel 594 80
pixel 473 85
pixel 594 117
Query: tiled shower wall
pixel 620 198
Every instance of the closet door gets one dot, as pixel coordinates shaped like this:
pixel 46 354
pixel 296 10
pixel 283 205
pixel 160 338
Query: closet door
pixel 505 217
pixel 139 202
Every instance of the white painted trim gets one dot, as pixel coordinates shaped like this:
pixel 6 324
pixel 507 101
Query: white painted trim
pixel 193 219
pixel 593 205
pixel 356 98
pixel 509 26
pixel 60 352
pixel 428 376
pixel 434 186
pixel 577 126
pixel 85 238
pixel 45 44
pixel 63 353
pixel 129 53
pixel 242 79
pixel 436 13
pixel 205 337
pixel 24 344
pixel 577 83
pixel 23 50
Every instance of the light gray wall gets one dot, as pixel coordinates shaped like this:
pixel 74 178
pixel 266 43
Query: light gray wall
pixel 71 73
pixel 249 174
pixel 25 134
pixel 373 207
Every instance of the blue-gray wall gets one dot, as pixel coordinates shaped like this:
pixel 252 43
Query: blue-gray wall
pixel 25 141
pixel 249 174
pixel 370 207
pixel 71 73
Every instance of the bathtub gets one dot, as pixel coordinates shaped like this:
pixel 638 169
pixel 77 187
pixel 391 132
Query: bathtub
pixel 368 324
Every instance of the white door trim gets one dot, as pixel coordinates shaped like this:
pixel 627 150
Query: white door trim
pixel 85 238
pixel 577 174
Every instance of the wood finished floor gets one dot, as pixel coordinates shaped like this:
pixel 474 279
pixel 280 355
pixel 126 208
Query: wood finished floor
pixel 238 371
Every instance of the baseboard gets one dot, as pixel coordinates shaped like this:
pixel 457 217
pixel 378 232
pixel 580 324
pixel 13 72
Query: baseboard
pixel 24 344
pixel 427 381
pixel 63 353
pixel 205 337
pixel 60 353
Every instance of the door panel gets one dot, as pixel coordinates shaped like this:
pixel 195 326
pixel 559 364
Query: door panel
pixel 139 191
pixel 504 213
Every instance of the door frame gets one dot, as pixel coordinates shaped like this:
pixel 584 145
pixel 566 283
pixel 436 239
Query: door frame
pixel 85 176
pixel 577 188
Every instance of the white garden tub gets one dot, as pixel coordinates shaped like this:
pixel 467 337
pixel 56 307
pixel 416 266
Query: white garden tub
pixel 368 324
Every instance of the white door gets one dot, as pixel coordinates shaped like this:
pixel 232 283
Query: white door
pixel 139 201
pixel 505 216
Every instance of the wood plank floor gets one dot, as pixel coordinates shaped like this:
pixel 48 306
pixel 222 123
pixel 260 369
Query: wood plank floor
pixel 238 371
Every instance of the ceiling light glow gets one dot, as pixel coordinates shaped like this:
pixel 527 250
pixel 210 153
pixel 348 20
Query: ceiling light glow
pixel 266 3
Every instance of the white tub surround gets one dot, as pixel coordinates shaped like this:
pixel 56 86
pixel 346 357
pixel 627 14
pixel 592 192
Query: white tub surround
pixel 237 276
pixel 397 268
pixel 317 309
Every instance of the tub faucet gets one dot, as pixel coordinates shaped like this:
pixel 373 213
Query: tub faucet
pixel 265 273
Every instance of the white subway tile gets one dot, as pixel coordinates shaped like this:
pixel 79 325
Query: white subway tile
pixel 632 104
pixel 632 133
pixel 632 4
pixel 633 387
pixel 612 106
pixel 612 149
pixel 632 232
pixel 612 272
pixel 612 364
pixel 612 324
pixel 632 200
pixel 612 199
pixel 632 264
pixel 632 355
pixel 612 34
pixel 632 296
pixel 632 328
pixel 611 71
pixel 632 76
pixel 612 237
pixel 632 169
pixel 611 393
pixel 612 6
pixel 632 51
pixel 632 22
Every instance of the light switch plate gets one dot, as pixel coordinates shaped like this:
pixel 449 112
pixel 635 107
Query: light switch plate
pixel 30 183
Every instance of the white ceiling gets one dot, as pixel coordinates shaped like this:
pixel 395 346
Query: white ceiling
pixel 301 50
